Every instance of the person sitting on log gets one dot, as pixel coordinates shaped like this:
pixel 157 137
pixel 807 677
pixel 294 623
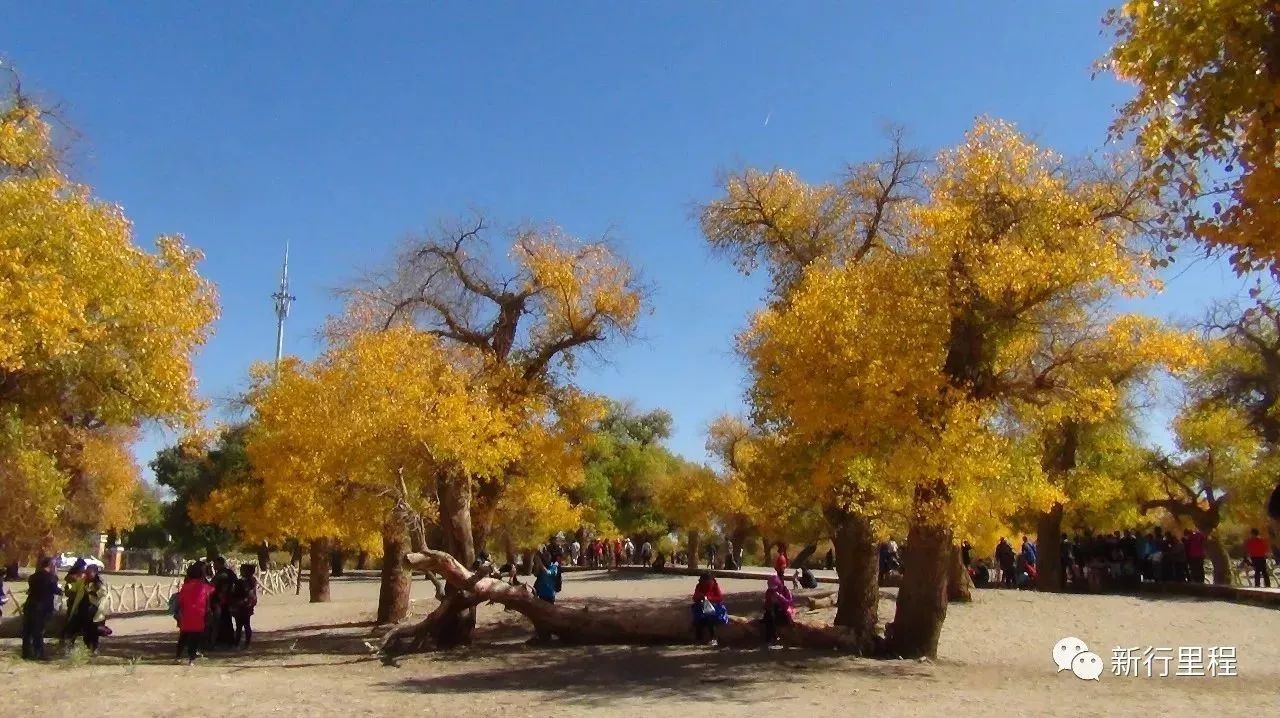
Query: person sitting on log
pixel 708 608
pixel 804 578
pixel 981 575
pixel 779 607
pixel 546 583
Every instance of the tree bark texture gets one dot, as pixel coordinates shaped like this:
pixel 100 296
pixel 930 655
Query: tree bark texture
pixel 337 559
pixel 319 581
pixel 1217 555
pixel 922 599
pixel 1049 575
pixel 695 547
pixel 394 591
pixel 858 602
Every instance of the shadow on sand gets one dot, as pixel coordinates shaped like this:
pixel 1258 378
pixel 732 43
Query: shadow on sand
pixel 598 675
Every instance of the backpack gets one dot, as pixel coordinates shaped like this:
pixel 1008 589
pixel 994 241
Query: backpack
pixel 173 606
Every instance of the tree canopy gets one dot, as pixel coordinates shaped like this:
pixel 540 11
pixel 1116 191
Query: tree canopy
pixel 96 337
pixel 1205 114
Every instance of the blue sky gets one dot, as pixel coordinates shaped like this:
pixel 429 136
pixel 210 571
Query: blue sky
pixel 344 126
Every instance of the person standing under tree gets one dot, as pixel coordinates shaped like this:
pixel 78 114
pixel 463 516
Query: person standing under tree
pixel 194 609
pixel 88 606
pixel 1195 554
pixel 244 598
pixel 42 586
pixel 1005 557
pixel 1256 549
pixel 781 562
pixel 71 584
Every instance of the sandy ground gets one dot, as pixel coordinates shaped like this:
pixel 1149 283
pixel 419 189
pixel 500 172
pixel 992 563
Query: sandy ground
pixel 311 659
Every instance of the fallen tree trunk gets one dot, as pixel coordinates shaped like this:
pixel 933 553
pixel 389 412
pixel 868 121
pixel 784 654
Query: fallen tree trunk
pixel 589 625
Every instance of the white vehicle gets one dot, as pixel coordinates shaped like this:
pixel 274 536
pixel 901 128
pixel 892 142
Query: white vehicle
pixel 66 560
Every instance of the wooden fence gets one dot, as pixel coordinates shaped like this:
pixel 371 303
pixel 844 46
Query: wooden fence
pixel 129 598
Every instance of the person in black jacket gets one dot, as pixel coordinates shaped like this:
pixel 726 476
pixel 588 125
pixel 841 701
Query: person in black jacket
pixel 42 586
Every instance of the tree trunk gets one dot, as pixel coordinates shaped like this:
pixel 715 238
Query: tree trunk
pixel 457 619
pixel 455 518
pixel 805 554
pixel 264 556
pixel 1217 554
pixel 858 604
pixel 484 508
pixel 362 560
pixel 922 599
pixel 509 547
pixel 337 559
pixel 1049 575
pixel 319 583
pixel 695 545
pixel 394 593
pixel 739 539
pixel 959 583
pixel 635 623
pixel 295 560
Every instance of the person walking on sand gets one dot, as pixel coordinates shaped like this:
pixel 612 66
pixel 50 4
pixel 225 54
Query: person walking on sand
pixel 194 607
pixel 779 607
pixel 1256 549
pixel 42 586
pixel 708 608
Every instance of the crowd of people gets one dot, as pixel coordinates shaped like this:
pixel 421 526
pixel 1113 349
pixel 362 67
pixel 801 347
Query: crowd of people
pixel 214 608
pixel 1097 561
pixel 85 592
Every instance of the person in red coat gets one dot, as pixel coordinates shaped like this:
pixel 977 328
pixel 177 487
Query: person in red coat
pixel 780 563
pixel 193 611
pixel 708 608
pixel 1255 547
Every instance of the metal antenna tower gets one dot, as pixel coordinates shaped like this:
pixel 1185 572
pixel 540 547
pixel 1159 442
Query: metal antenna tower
pixel 282 299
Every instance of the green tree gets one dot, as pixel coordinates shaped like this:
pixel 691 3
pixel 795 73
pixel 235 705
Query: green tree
pixel 191 471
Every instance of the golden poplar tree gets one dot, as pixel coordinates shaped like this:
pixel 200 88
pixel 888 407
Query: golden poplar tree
pixel 905 362
pixel 1206 113
pixel 351 446
pixel 96 336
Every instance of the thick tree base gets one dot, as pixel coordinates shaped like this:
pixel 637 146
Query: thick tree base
pixel 586 625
